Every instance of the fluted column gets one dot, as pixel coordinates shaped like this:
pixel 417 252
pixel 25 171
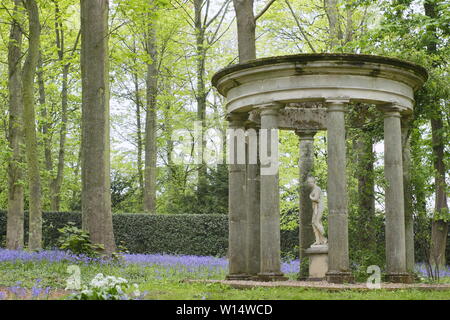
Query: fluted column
pixel 253 203
pixel 338 260
pixel 270 196
pixel 394 199
pixel 306 165
pixel 237 229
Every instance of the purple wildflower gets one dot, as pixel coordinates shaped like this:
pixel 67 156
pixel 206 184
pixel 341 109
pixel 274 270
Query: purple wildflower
pixel 36 292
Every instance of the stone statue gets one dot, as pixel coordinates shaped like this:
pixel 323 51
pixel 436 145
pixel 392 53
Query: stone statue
pixel 317 206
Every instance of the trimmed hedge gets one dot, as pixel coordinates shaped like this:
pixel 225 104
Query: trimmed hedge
pixel 193 234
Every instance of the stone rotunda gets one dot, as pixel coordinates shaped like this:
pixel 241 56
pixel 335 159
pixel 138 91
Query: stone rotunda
pixel 307 93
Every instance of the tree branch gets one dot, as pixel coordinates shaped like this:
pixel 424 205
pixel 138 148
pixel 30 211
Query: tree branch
pixel 268 5
pixel 300 26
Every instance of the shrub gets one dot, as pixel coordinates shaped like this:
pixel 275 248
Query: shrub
pixel 188 234
pixel 77 241
pixel 106 288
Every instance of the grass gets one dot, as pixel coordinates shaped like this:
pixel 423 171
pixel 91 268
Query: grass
pixel 163 280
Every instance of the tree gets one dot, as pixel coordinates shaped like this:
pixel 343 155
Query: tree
pixel 14 232
pixel 151 117
pixel 96 196
pixel 439 229
pixel 29 120
pixel 203 24
pixel 56 182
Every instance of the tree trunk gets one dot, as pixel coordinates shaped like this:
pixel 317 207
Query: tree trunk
pixel 439 225
pixel 96 195
pixel 363 147
pixel 439 229
pixel 332 12
pixel 15 219
pixel 29 120
pixel 45 120
pixel 56 184
pixel 57 181
pixel 138 134
pixel 246 26
pixel 201 98
pixel 150 123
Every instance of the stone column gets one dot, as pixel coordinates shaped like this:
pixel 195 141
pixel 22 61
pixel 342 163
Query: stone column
pixel 306 165
pixel 270 195
pixel 394 201
pixel 338 268
pixel 253 202
pixel 409 220
pixel 237 232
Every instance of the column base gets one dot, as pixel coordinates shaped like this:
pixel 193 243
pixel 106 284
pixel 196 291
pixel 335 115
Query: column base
pixel 400 278
pixel 271 276
pixel 315 279
pixel 340 277
pixel 240 276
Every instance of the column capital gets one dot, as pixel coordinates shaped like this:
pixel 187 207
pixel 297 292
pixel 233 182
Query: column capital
pixel 306 134
pixel 392 114
pixel 237 119
pixel 270 108
pixel 336 105
pixel 393 107
pixel 252 125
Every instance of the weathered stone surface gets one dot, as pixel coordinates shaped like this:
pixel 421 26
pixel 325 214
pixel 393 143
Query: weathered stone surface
pixel 237 239
pixel 320 77
pixel 318 262
pixel 337 195
pixel 306 93
pixel 409 219
pixel 297 118
pixel 394 201
pixel 253 212
pixel 270 204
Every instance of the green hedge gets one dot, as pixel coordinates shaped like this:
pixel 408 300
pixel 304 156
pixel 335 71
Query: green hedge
pixel 195 234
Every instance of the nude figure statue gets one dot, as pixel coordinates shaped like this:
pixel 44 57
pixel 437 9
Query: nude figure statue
pixel 317 206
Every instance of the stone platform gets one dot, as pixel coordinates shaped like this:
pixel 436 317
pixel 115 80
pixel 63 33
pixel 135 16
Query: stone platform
pixel 323 285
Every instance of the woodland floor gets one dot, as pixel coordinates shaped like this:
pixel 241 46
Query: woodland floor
pixel 42 276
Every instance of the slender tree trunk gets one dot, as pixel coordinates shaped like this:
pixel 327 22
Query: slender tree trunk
pixel 138 133
pixel 168 130
pixel 246 26
pixel 29 120
pixel 200 97
pixel 45 120
pixel 439 225
pixel 363 148
pixel 332 12
pixel 150 172
pixel 96 194
pixel 15 218
pixel 57 181
pixel 56 184
pixel 439 229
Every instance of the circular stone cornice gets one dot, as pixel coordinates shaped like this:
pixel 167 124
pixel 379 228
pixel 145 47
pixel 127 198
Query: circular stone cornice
pixel 356 59
pixel 318 78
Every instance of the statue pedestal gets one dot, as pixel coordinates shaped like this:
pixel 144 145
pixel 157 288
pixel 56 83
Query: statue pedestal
pixel 318 262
